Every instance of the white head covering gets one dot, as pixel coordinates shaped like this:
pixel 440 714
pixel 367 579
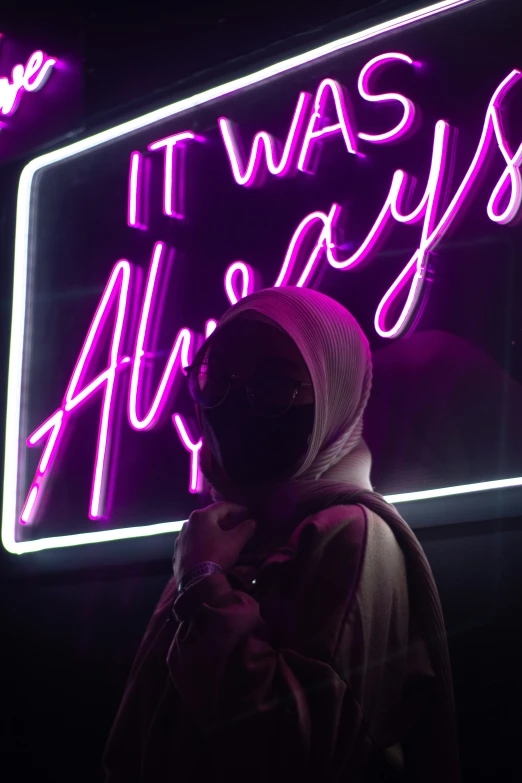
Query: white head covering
pixel 337 355
pixel 336 472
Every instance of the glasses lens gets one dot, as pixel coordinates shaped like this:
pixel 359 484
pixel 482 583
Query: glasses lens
pixel 208 384
pixel 271 396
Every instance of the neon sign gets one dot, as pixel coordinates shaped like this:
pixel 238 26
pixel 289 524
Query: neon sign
pixel 30 77
pixel 317 240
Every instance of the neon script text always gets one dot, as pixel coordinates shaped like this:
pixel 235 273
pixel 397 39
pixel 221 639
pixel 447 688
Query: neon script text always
pixel 310 126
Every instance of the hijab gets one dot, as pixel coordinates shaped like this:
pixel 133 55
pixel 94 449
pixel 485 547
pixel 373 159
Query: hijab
pixel 336 470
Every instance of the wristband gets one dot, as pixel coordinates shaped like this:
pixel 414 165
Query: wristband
pixel 205 568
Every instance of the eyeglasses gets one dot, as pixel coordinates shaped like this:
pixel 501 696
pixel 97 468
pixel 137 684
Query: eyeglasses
pixel 269 396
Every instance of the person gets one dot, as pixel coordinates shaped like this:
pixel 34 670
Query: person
pixel 301 636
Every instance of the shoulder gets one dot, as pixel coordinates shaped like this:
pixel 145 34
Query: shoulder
pixel 384 557
pixel 329 552
pixel 331 526
pixel 353 546
pixel 382 598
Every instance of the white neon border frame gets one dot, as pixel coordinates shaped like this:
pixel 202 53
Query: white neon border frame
pixel 9 516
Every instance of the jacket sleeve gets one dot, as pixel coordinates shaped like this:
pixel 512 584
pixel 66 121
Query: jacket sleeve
pixel 265 708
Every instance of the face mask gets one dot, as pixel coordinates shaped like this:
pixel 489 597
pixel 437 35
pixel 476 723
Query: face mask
pixel 252 449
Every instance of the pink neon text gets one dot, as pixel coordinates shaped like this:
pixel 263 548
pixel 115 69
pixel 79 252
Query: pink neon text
pixel 24 78
pixel 251 173
pixel 330 100
pixel 115 297
pixel 315 238
pixel 174 150
pixel 363 85
pixel 179 356
pixel 410 284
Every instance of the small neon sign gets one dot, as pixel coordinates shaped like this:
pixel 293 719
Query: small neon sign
pixel 28 77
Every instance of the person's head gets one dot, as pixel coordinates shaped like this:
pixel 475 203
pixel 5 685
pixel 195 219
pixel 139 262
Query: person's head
pixel 281 387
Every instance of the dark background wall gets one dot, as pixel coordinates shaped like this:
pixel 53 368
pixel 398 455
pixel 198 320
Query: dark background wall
pixel 71 620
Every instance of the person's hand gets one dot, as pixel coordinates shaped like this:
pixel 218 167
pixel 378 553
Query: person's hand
pixel 217 533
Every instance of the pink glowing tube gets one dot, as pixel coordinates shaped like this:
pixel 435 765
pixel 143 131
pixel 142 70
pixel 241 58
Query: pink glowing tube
pixel 28 508
pixel 409 108
pixel 393 203
pixel 416 268
pixel 193 448
pixel 179 355
pixel 30 78
pixel 74 397
pixel 210 327
pixel 173 175
pixel 318 131
pixel 134 201
pixel 433 231
pixel 247 278
pixel 264 143
pixel 115 296
pixel 38 66
pixel 53 424
pixel 296 243
pixel 366 247
pixel 510 177
pixel 11 91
